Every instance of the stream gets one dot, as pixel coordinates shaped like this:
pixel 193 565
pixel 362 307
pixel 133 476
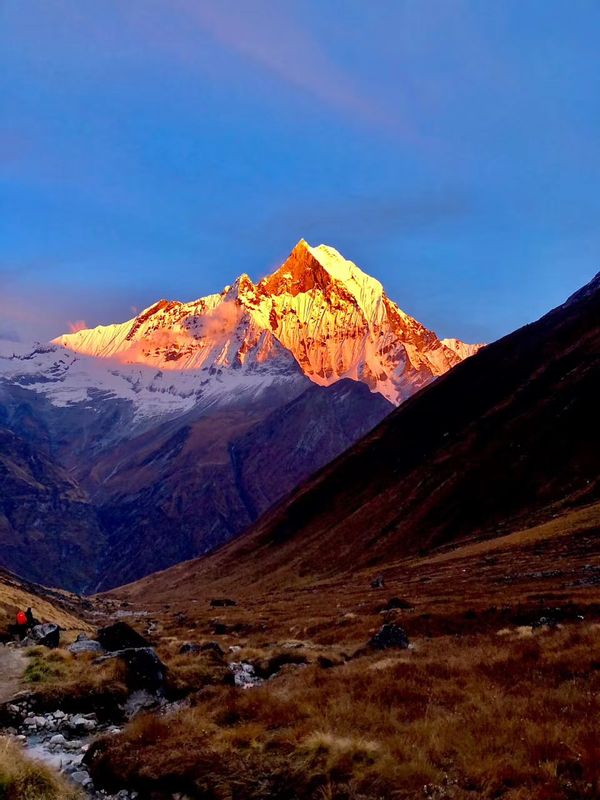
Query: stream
pixel 61 740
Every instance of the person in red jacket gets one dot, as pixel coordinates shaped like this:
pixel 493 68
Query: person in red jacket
pixel 21 624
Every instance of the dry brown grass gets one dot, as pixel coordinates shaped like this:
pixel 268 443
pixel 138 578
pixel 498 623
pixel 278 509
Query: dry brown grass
pixel 15 595
pixel 482 707
pixel 481 716
pixel 23 779
pixel 188 673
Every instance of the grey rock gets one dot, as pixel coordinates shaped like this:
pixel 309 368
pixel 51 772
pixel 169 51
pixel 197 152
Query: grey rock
pixel 81 777
pixel 47 634
pixel 86 646
pixel 145 670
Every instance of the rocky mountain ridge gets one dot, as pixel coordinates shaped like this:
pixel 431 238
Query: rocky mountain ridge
pixel 335 321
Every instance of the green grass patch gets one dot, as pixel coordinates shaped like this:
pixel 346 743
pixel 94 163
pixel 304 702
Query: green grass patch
pixel 43 668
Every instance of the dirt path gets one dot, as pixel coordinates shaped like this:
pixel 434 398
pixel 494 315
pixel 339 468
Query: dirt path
pixel 12 665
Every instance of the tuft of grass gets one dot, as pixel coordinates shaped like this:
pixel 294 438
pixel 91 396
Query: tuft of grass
pixel 23 779
pixel 46 666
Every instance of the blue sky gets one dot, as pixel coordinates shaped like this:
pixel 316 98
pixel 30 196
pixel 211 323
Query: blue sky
pixel 158 148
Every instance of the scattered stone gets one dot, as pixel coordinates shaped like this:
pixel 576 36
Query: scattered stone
pixel 140 700
pixel 389 636
pixel 244 674
pixel 80 723
pixel 81 777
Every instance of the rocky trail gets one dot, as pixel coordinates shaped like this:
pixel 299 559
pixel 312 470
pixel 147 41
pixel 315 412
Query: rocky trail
pixel 12 665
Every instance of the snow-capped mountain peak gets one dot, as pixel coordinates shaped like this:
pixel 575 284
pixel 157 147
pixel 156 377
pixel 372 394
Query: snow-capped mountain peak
pixel 319 308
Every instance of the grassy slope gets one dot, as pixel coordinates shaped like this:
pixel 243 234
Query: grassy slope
pixel 49 605
pixel 482 706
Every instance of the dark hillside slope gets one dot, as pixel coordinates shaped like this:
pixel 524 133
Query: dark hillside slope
pixel 506 439
pixel 190 487
pixel 49 530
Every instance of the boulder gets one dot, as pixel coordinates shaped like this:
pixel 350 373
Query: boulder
pixel 81 724
pixel 244 674
pixel 83 645
pixel 378 582
pixel 145 670
pixel 194 649
pixel 120 636
pixel 47 635
pixel 389 636
pixel 222 602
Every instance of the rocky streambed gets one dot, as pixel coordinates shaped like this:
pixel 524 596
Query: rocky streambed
pixel 61 740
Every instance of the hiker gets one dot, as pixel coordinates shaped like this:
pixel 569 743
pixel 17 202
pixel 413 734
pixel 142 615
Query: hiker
pixel 31 620
pixel 21 626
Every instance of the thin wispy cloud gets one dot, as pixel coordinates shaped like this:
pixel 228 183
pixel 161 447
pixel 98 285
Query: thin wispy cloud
pixel 272 38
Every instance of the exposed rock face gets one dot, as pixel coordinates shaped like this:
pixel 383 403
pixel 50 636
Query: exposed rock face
pixel 296 440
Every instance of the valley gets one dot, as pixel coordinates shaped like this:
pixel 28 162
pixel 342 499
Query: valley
pixel 196 417
pixel 299 400
pixel 419 618
pixel 497 618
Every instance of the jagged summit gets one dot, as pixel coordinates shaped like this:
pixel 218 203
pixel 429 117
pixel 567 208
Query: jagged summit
pixel 334 320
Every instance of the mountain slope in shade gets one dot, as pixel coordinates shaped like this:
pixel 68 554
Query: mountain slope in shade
pixel 193 487
pixel 505 440
pixel 49 530
pixel 298 438
pixel 335 320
